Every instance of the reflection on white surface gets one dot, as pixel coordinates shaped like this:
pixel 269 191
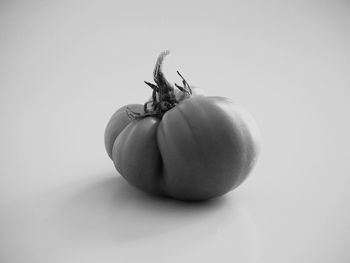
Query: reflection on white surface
pixel 108 217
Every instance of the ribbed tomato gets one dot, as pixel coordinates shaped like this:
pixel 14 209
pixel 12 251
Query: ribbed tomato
pixel 193 147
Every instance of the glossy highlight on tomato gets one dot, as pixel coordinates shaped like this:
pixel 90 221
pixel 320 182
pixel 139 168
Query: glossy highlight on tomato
pixel 181 143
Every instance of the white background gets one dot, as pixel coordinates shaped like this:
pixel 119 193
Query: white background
pixel 66 66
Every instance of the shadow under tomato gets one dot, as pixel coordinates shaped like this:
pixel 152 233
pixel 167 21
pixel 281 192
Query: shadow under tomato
pixel 111 208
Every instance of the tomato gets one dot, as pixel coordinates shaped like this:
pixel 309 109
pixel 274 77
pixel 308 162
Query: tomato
pixel 199 148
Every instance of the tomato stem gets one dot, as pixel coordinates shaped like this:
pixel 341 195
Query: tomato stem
pixel 163 93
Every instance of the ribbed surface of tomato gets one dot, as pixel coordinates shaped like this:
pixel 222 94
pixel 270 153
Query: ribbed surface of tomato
pixel 202 148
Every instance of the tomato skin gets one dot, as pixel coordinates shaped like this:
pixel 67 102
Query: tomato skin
pixel 207 147
pixel 202 148
pixel 116 124
pixel 136 155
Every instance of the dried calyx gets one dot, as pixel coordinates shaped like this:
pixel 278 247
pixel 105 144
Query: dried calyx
pixel 163 95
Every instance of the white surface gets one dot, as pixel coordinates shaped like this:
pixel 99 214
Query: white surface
pixel 67 66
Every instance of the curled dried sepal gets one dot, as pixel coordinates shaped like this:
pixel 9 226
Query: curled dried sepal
pixel 186 87
pixel 132 114
pixel 158 74
pixel 163 94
